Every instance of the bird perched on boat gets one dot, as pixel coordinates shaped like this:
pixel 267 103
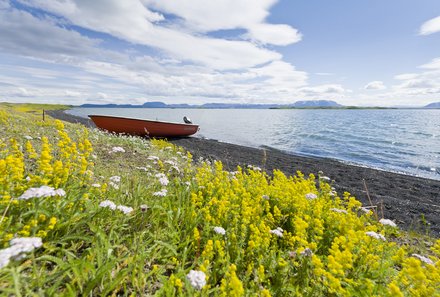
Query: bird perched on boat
pixel 187 120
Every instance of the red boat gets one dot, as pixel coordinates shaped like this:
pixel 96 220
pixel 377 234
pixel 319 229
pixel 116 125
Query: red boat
pixel 140 127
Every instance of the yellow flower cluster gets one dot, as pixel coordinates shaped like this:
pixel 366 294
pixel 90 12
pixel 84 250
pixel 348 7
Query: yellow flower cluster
pixel 33 163
pixel 288 228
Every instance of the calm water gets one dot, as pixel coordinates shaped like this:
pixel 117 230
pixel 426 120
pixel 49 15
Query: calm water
pixel 406 141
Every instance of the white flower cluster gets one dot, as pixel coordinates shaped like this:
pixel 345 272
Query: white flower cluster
pixel 153 158
pixel 338 210
pixel 161 193
pixel 423 259
pixel 114 181
pixel 110 204
pixel 197 279
pixel 125 209
pixel 43 191
pixel 324 178
pixel 171 162
pixel 252 167
pixel 96 185
pixel 28 137
pixel 18 247
pixel 278 232
pixel 117 149
pixel 162 179
pixel 387 222
pixel 220 230
pixel 375 235
pixel 311 196
pixel 365 210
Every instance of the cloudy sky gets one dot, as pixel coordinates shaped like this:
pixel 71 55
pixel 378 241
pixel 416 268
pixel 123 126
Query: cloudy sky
pixel 366 52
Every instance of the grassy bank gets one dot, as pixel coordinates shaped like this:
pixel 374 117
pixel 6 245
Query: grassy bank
pixel 126 216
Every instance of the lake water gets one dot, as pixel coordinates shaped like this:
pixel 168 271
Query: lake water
pixel 406 141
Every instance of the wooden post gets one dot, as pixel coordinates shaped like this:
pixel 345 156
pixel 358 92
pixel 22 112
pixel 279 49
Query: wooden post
pixel 43 114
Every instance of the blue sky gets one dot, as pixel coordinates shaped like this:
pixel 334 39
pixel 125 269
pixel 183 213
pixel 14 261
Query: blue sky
pixel 195 51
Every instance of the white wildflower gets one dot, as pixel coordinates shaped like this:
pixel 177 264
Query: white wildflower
pixel 252 167
pixel 125 209
pixel 161 193
pixel 375 235
pixel 164 181
pixel 43 191
pixel 188 183
pixel 423 259
pixel 278 232
pixel 387 222
pixel 197 279
pixel 108 203
pixel 311 196
pixel 18 247
pixel 27 244
pixel 265 197
pixel 172 163
pixel 28 178
pixel 153 158
pixel 28 137
pixel 365 210
pixel 219 230
pixel 94 156
pixel 114 185
pixel 117 149
pixel 325 178
pixel 115 179
pixel 338 210
pixel 96 185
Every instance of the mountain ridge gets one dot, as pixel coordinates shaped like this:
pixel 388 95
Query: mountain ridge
pixel 159 104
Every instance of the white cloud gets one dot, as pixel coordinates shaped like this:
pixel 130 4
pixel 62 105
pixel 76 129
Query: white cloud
pixel 22 33
pixel 274 34
pixel 325 91
pixel 431 26
pixel 130 20
pixel 375 85
pixel 250 15
pixel 434 64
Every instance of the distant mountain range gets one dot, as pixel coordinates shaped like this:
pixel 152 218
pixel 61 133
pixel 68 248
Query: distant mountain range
pixel 433 105
pixel 157 104
pixel 298 104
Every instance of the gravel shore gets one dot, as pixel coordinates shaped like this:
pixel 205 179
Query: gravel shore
pixel 412 202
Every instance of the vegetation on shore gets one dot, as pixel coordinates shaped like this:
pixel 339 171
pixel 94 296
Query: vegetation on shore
pixel 84 212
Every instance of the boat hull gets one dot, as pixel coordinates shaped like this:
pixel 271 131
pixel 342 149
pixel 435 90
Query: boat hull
pixel 143 127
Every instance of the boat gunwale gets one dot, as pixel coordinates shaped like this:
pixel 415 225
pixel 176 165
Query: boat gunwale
pixel 143 120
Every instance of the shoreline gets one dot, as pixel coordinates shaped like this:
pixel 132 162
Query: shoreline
pixel 412 202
